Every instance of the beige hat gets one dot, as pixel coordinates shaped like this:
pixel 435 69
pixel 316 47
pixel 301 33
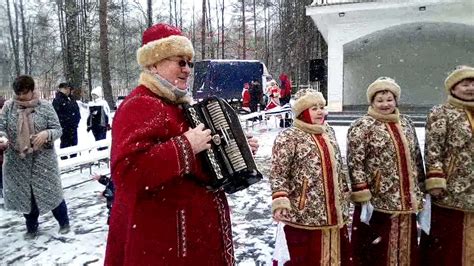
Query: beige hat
pixel 460 73
pixel 305 99
pixel 161 41
pixel 382 84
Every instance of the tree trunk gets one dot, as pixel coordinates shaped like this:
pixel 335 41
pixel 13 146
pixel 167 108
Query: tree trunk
pixel 222 29
pixel 244 46
pixel 124 48
pixel 254 26
pixel 74 56
pixel 16 59
pixel 203 31
pixel 24 39
pixel 150 12
pixel 104 54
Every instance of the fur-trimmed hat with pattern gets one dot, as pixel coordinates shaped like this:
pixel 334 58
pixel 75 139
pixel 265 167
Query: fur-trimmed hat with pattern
pixel 162 41
pixel 460 73
pixel 382 84
pixel 305 99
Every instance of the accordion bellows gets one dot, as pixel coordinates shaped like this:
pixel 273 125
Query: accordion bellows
pixel 229 161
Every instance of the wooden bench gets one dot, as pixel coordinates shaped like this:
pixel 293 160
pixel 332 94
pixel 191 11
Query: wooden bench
pixel 86 156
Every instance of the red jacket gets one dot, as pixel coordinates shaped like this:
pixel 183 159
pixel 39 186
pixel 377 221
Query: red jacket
pixel 245 97
pixel 160 217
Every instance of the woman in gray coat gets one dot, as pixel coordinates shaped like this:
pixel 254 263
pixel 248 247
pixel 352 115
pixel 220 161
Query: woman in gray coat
pixel 28 128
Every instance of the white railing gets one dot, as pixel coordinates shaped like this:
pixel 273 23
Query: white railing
pixel 85 156
pixel 338 2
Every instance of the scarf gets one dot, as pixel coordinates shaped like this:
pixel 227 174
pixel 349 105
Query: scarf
pixel 309 128
pixel 460 103
pixel 395 117
pixel 163 88
pixel 25 127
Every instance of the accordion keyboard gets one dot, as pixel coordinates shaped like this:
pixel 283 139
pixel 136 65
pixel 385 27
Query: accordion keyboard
pixel 231 148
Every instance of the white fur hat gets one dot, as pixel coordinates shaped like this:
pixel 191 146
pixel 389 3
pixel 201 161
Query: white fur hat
pixel 161 41
pixel 382 84
pixel 305 99
pixel 460 73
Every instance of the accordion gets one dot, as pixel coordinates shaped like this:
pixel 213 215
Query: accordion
pixel 229 161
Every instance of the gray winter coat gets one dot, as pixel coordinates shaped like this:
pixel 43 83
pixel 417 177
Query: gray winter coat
pixel 38 172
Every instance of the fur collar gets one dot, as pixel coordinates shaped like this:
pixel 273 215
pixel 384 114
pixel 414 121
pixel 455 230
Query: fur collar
pixel 395 117
pixel 158 88
pixel 309 128
pixel 460 103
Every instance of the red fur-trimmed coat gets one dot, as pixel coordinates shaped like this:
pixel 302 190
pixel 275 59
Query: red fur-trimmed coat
pixel 161 217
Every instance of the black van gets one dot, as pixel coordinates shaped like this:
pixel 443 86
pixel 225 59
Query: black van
pixel 226 78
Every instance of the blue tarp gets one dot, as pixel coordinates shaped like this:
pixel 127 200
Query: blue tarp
pixel 224 78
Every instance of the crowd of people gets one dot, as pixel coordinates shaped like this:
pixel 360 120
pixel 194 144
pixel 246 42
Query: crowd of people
pixel 164 214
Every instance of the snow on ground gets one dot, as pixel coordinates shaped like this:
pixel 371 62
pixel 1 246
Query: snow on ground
pixel 253 227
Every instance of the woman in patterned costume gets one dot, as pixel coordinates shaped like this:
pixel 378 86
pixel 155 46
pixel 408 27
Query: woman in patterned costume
pixel 385 168
pixel 449 162
pixel 309 189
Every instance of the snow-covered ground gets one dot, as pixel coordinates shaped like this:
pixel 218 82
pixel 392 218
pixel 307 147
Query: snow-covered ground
pixel 253 227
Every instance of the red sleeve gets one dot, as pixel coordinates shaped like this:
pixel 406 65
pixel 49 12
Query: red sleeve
pixel 144 152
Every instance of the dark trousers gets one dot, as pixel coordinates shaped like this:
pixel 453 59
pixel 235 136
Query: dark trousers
pixel 68 139
pixel 60 213
pixel 99 134
pixel 1 179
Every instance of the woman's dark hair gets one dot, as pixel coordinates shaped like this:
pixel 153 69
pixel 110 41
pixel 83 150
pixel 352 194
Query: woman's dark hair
pixel 23 84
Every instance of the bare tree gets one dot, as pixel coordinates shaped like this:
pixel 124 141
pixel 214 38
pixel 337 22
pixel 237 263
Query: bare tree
pixel 14 42
pixel 25 41
pixel 222 28
pixel 104 53
pixel 244 36
pixel 203 30
pixel 150 12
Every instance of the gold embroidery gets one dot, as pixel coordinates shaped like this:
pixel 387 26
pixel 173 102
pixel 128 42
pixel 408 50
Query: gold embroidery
pixel 303 194
pixel 330 247
pixel 399 242
pixel 468 239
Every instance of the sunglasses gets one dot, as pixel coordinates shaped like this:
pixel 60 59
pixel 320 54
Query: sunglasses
pixel 183 63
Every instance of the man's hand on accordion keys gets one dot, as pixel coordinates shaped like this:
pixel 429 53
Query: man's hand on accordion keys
pixel 199 138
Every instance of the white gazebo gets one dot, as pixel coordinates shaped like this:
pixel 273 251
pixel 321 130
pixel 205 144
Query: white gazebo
pixel 416 42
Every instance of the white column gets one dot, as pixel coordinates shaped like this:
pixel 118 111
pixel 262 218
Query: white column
pixel 335 75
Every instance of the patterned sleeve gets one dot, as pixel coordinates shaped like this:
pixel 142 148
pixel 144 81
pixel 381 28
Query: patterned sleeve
pixel 435 138
pixel 356 155
pixel 419 159
pixel 343 174
pixel 3 118
pixel 283 151
pixel 54 128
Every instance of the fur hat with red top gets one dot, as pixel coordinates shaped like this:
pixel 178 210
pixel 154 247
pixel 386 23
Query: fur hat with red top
pixel 305 99
pixel 162 41
pixel 383 84
pixel 458 75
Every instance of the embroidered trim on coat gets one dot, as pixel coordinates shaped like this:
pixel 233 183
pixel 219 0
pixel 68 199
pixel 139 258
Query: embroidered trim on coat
pixel 468 239
pixel 404 167
pixel 181 220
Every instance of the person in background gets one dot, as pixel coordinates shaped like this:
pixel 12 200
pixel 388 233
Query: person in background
pixel 310 189
pixel 246 97
pixel 32 185
pixel 256 96
pixel 108 192
pixel 163 214
pixel 99 114
pixel 386 171
pixel 69 115
pixel 285 86
pixel 2 101
pixel 449 161
pixel 273 92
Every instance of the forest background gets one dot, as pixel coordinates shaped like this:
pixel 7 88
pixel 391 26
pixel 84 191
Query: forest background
pixel 93 43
